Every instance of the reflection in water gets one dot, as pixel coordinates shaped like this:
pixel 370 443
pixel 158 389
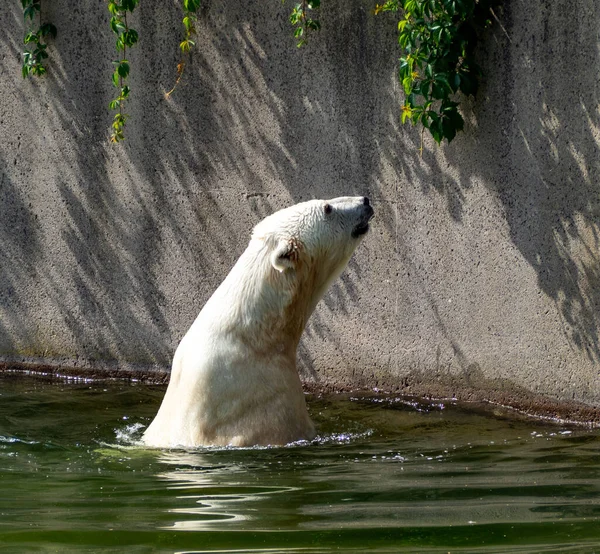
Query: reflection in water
pixel 208 493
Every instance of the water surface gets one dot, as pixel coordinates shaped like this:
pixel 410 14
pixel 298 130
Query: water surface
pixel 385 475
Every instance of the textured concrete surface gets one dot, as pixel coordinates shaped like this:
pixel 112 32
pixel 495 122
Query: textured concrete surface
pixel 480 277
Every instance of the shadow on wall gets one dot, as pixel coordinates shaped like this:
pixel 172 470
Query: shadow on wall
pixel 538 139
pixel 257 125
pixel 95 252
pixel 109 252
pixel 133 238
pixel 19 258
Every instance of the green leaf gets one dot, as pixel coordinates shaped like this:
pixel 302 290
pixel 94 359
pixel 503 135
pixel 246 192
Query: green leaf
pixel 30 37
pixel 404 40
pixel 115 78
pixel 123 69
pixel 186 45
pixel 406 112
pixel 117 25
pixel 48 29
pixel 438 91
pixel 457 120
pixel 129 5
pixel 435 128
pixel 456 82
pixel 119 119
pixel 468 84
pixel 448 130
pixel 449 107
pixel 296 15
pixel 130 37
pixel 442 78
pixel 191 5
pixel 416 114
pixel 410 5
pixel 30 11
pixel 407 83
pixel 405 68
pixel 402 24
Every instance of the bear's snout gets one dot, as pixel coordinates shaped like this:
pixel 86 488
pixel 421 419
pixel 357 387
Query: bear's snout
pixel 367 212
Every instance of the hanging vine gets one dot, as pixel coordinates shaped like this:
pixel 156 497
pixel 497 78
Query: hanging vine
pixel 190 18
pixel 126 38
pixel 302 20
pixel 438 39
pixel 35 53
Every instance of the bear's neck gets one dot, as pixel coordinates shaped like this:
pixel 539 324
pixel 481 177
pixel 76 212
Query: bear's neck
pixel 264 307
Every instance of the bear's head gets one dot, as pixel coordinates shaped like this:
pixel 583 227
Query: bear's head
pixel 309 244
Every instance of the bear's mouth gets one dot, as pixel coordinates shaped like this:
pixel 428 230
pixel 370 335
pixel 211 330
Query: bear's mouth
pixel 363 225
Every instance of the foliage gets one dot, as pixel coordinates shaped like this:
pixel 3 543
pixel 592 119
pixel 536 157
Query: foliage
pixel 190 18
pixel 302 20
pixel 35 54
pixel 438 38
pixel 126 38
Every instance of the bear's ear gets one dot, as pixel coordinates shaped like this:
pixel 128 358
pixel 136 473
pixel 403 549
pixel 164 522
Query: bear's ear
pixel 284 256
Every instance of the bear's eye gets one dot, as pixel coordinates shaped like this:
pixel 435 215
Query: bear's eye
pixel 328 208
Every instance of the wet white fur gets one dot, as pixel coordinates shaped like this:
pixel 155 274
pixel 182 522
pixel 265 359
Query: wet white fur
pixel 234 379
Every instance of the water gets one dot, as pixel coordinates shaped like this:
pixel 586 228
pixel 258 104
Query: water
pixel 385 475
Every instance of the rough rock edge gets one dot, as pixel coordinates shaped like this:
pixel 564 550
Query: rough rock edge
pixel 96 372
pixel 496 392
pixel 504 395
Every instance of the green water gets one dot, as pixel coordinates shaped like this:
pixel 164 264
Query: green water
pixel 385 475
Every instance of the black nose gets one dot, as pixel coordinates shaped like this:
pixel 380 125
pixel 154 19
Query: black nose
pixel 366 201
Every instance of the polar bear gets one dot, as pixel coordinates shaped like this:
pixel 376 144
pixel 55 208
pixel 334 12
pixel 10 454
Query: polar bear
pixel 234 379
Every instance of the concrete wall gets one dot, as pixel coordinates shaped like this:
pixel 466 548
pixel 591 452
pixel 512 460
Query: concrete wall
pixel 482 270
